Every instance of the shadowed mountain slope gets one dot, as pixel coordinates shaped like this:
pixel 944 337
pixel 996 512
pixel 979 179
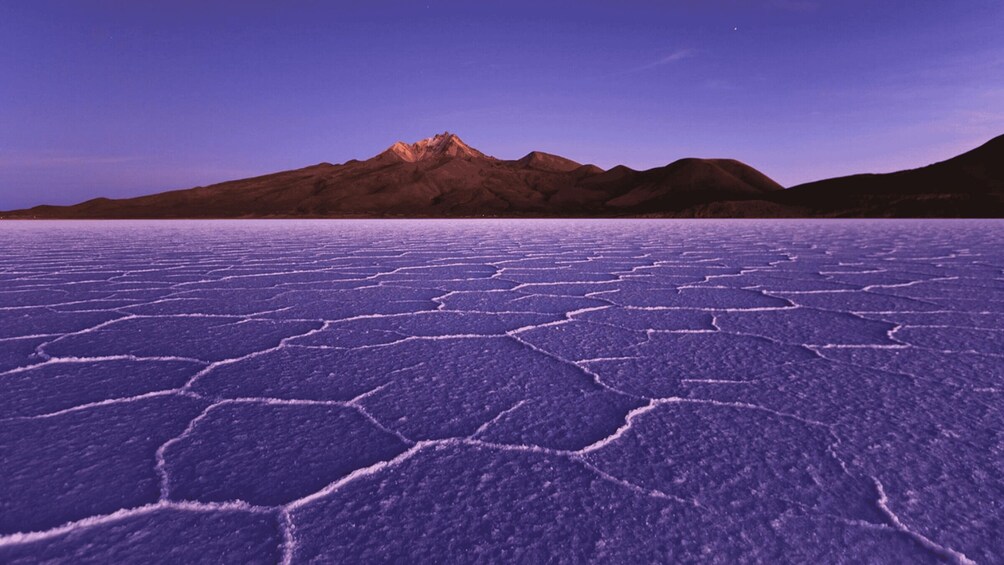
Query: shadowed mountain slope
pixel 969 185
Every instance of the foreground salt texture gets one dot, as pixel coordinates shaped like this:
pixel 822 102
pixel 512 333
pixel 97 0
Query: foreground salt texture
pixel 410 391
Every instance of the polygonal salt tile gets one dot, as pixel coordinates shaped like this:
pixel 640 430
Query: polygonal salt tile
pixel 58 386
pixel 272 453
pixel 204 338
pixel 171 535
pixel 806 326
pixel 83 463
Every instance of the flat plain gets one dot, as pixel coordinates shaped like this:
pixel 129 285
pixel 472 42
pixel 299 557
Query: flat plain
pixel 507 390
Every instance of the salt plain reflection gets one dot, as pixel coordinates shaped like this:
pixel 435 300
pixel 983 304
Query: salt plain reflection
pixel 510 390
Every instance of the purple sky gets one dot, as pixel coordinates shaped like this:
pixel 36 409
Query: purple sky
pixel 119 98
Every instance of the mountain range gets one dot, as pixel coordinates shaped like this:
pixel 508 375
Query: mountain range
pixel 443 177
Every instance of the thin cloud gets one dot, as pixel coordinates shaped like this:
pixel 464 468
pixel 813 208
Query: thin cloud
pixel 61 160
pixel 673 57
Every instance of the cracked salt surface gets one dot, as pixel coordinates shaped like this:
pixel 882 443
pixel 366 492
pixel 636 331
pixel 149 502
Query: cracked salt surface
pixel 626 391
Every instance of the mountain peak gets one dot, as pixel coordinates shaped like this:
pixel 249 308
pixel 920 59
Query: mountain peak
pixel 444 144
pixel 548 162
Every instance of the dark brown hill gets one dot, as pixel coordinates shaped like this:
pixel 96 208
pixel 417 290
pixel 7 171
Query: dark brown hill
pixel 547 162
pixel 443 177
pixel 969 185
pixel 693 182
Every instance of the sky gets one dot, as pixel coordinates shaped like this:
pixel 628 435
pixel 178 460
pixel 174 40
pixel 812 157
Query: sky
pixel 121 98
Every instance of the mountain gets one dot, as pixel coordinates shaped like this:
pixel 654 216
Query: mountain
pixel 444 177
pixel 442 145
pixel 970 185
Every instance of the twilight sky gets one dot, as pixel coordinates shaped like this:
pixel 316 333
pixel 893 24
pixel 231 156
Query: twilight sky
pixel 120 98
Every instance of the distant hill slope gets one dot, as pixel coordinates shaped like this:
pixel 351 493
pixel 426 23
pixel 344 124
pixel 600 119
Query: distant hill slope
pixel 969 185
pixel 443 177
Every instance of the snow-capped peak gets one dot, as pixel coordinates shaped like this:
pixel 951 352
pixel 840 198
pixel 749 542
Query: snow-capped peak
pixel 444 144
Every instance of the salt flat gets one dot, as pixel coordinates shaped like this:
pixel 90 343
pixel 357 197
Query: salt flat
pixel 469 391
